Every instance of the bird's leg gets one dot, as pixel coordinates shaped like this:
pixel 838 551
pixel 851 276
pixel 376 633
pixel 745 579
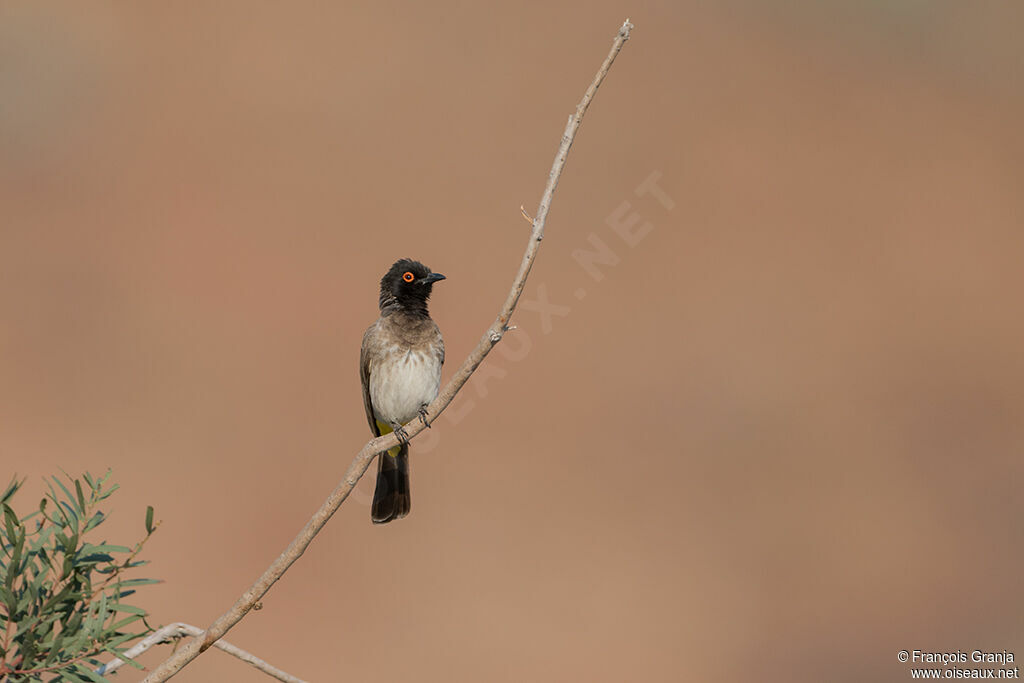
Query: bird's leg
pixel 399 430
pixel 423 416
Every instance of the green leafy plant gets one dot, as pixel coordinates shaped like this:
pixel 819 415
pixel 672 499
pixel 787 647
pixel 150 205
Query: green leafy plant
pixel 62 597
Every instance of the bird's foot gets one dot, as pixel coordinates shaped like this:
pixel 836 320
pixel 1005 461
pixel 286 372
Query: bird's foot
pixel 403 436
pixel 423 416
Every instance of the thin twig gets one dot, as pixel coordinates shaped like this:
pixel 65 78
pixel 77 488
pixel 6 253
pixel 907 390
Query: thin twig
pixel 180 630
pixel 382 443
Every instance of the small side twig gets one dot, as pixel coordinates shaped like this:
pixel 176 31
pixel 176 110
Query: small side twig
pixel 362 461
pixel 177 630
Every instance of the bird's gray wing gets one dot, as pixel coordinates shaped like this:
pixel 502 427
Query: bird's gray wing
pixel 369 350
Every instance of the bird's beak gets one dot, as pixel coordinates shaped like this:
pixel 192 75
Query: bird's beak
pixel 432 278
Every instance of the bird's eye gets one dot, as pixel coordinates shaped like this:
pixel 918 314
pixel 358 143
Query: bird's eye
pixel 408 277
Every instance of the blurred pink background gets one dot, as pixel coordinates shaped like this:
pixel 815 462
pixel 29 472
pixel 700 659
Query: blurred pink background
pixel 780 439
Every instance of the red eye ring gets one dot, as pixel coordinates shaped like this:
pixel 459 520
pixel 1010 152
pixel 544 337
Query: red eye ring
pixel 408 277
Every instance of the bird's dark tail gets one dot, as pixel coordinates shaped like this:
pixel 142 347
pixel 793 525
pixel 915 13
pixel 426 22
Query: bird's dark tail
pixel 391 498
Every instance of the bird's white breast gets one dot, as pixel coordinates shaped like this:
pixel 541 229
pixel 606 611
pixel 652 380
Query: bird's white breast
pixel 403 383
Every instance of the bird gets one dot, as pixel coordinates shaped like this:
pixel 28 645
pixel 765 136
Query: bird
pixel 400 368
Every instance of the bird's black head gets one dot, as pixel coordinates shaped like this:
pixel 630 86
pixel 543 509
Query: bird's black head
pixel 407 284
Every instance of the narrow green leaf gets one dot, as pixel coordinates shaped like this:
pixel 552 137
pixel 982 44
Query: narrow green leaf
pixel 64 520
pixel 11 489
pixel 129 609
pixel 55 649
pixel 93 558
pixel 114 643
pixel 94 521
pixel 14 569
pixel 35 587
pixel 137 582
pixel 119 625
pixel 149 519
pixel 9 599
pixel 74 623
pixel 88 674
pixel 72 544
pixel 10 521
pixel 72 514
pixel 119 653
pixel 104 548
pixel 53 491
pixel 80 496
pixel 67 675
pixel 101 611
pixel 63 487
pixel 77 642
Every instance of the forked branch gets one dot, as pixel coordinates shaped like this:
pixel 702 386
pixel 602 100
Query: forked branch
pixel 177 630
pixel 362 461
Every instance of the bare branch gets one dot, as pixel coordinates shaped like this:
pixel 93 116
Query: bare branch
pixel 177 630
pixel 380 444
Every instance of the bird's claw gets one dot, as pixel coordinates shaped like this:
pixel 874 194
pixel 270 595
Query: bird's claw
pixel 403 436
pixel 423 417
